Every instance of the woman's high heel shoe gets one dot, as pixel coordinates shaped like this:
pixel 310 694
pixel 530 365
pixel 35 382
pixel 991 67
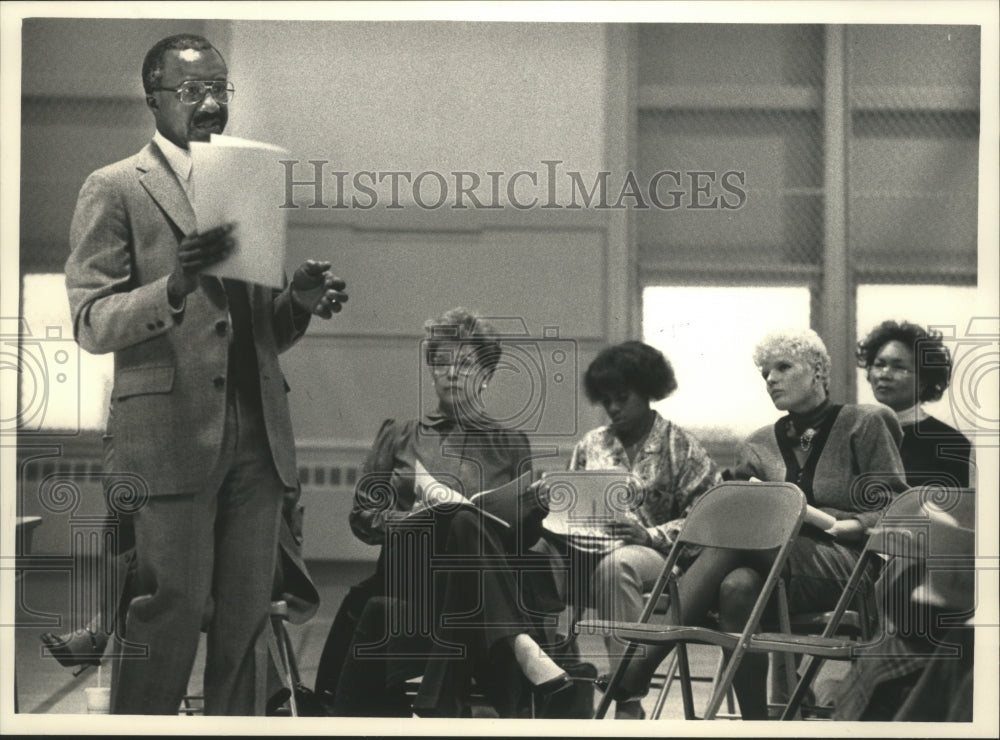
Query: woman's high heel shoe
pixel 552 686
pixel 544 693
pixel 603 681
pixel 85 647
pixel 536 665
pixel 628 705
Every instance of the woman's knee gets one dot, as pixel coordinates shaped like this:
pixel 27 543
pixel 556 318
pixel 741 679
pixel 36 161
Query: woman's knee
pixel 616 571
pixel 464 532
pixel 738 592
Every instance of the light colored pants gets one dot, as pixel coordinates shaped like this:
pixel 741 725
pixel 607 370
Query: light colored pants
pixel 620 580
pixel 205 560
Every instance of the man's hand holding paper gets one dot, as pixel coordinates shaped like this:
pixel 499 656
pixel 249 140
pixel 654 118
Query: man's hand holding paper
pixel 196 253
pixel 259 224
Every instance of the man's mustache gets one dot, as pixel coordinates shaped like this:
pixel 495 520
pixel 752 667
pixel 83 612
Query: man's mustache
pixel 207 118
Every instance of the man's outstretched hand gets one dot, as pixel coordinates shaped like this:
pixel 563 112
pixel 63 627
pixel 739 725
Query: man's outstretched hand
pixel 317 290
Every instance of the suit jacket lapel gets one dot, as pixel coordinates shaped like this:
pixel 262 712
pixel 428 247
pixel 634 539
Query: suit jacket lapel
pixel 161 184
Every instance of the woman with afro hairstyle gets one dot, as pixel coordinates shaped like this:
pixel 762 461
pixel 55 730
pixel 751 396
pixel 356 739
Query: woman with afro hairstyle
pixel 672 465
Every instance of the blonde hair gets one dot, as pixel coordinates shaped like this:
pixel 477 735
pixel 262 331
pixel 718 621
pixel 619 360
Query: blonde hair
pixel 802 344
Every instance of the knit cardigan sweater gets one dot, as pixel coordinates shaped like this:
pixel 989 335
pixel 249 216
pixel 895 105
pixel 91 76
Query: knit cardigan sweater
pixel 859 468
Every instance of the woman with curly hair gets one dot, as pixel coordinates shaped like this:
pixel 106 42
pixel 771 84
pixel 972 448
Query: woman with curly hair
pixel 907 366
pixel 845 458
pixel 671 464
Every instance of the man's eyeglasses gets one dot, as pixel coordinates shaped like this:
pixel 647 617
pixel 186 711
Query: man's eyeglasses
pixel 192 92
pixel 883 367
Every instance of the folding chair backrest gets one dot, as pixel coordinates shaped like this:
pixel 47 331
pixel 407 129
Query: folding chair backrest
pixel 918 524
pixel 926 522
pixel 744 515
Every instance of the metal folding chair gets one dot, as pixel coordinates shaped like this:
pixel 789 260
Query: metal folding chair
pixel 783 675
pixel 278 647
pixel 907 530
pixel 735 514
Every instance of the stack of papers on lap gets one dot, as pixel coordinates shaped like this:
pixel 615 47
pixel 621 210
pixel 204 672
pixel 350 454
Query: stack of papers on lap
pixel 582 502
pixel 506 504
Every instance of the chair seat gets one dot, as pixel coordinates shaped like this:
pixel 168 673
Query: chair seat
pixel 645 633
pixel 814 623
pixel 850 622
pixel 659 634
pixel 826 647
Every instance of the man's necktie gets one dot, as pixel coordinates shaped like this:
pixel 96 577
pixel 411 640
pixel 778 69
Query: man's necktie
pixel 243 371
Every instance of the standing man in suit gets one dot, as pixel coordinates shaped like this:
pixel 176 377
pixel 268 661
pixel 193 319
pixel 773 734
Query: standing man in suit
pixel 199 400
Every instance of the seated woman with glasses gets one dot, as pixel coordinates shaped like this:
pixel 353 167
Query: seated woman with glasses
pixel 455 622
pixel 672 465
pixel 845 458
pixel 906 366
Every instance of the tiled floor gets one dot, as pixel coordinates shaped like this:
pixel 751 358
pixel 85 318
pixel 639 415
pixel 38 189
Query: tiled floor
pixel 44 687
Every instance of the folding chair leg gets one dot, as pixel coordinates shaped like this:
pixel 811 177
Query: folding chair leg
pixel 293 666
pixel 811 666
pixel 616 678
pixel 685 669
pixel 785 623
pixel 669 674
pixel 730 698
pixel 278 644
pixel 281 660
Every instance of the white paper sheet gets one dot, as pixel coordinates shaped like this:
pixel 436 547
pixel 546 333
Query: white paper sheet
pixel 240 181
pixel 431 491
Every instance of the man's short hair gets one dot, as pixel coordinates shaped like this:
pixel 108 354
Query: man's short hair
pixel 152 65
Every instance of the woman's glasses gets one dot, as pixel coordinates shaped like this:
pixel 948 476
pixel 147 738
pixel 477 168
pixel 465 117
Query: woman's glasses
pixel 463 363
pixel 883 367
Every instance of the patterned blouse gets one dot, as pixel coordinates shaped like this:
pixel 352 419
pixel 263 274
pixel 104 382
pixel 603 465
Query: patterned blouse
pixel 672 464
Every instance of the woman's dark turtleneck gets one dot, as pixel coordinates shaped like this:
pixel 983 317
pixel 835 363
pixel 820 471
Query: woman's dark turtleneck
pixel 809 419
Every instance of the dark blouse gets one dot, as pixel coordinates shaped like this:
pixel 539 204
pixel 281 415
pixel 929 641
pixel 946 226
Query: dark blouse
pixel 934 452
pixel 467 458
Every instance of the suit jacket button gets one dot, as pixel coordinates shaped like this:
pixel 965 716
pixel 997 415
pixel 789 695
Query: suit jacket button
pixel 220 328
pixel 219 381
